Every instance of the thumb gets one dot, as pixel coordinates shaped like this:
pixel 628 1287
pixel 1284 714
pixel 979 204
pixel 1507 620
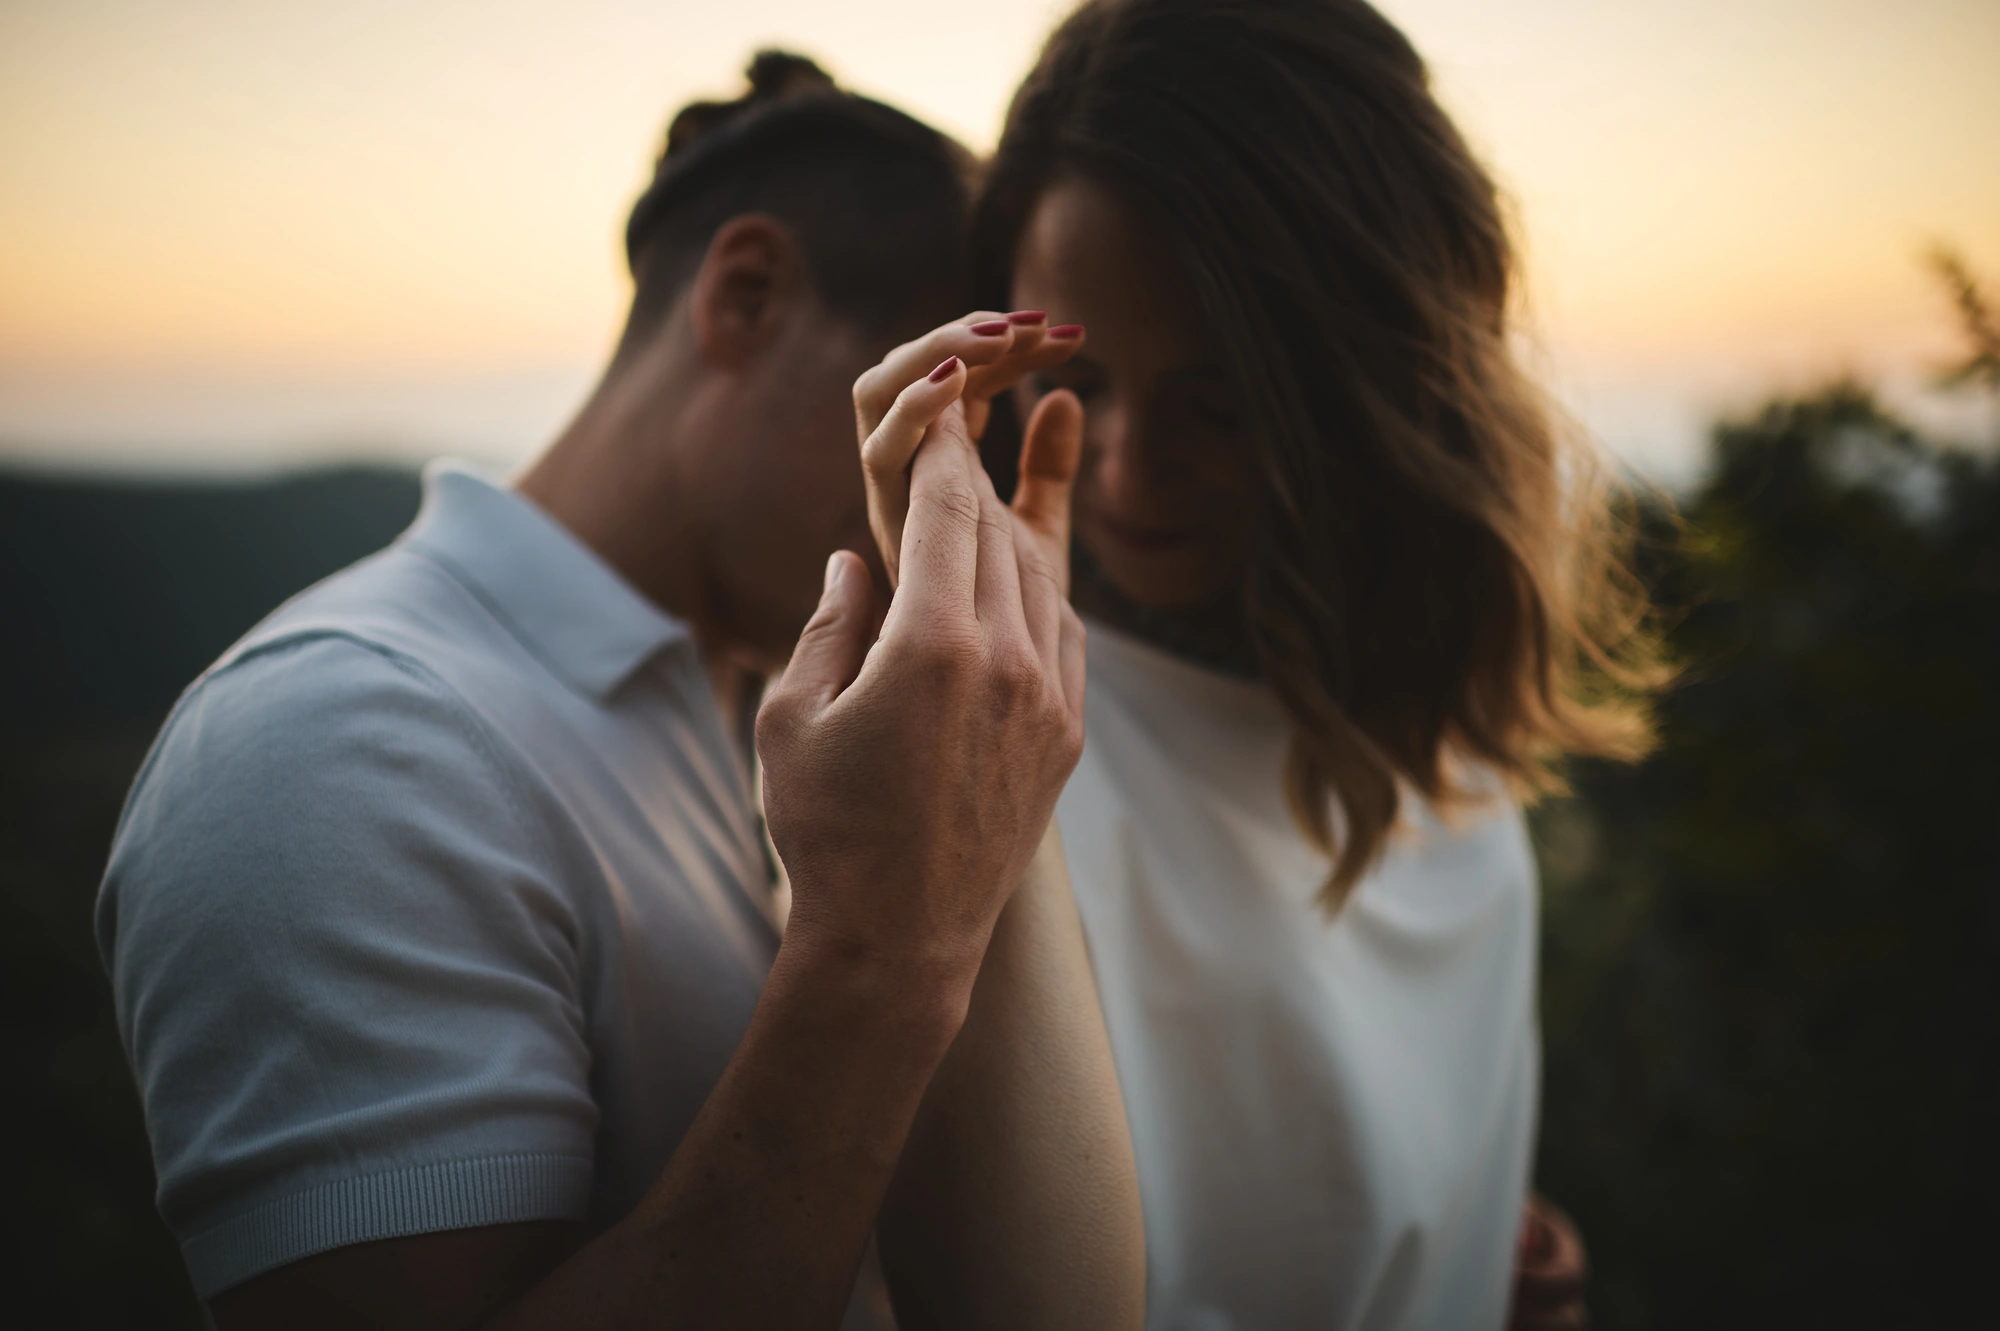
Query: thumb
pixel 1051 448
pixel 835 640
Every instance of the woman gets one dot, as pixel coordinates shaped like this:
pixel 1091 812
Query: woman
pixel 1351 596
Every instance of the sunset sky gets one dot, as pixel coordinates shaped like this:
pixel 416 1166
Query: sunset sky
pixel 247 233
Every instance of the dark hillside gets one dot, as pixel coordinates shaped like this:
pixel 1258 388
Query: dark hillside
pixel 116 594
pixel 113 596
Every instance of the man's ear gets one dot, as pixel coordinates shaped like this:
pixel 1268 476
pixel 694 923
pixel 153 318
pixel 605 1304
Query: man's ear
pixel 748 284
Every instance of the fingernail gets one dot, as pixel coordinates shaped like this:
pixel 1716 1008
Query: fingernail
pixel 833 566
pixel 944 371
pixel 1027 316
pixel 991 328
pixel 1066 330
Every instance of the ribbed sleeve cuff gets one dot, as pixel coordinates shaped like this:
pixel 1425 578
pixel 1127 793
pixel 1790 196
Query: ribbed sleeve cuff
pixel 459 1194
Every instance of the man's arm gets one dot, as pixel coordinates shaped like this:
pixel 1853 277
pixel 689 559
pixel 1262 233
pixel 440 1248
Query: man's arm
pixel 907 788
pixel 759 1219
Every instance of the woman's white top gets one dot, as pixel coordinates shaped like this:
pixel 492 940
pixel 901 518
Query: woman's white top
pixel 1332 1120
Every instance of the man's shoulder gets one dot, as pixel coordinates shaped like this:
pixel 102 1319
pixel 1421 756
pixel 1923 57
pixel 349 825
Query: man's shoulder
pixel 346 688
pixel 323 746
pixel 394 637
pixel 394 604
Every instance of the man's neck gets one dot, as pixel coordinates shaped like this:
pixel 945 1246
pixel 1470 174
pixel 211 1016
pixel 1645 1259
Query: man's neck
pixel 609 478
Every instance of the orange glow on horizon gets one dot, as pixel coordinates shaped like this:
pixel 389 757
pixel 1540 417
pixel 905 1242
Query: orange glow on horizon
pixel 218 188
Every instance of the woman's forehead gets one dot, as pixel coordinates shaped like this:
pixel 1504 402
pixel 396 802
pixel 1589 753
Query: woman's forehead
pixel 1090 257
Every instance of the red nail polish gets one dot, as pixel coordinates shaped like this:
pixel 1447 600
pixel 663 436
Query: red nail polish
pixel 1027 316
pixel 1067 330
pixel 944 371
pixel 991 328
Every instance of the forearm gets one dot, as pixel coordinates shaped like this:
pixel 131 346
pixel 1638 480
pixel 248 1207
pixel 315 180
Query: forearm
pixel 761 1216
pixel 1017 1202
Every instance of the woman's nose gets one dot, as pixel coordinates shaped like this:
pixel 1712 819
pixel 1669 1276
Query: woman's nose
pixel 1111 452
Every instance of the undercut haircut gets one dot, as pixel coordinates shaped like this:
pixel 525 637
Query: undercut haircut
pixel 877 199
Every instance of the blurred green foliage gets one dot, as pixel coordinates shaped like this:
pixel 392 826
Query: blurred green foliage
pixel 1771 952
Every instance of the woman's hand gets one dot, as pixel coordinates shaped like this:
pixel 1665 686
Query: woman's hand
pixel 896 403
pixel 1550 1271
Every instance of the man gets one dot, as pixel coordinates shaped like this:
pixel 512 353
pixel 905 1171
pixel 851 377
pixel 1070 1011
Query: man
pixel 439 919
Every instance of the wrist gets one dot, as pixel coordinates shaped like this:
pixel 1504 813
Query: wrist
pixel 902 1003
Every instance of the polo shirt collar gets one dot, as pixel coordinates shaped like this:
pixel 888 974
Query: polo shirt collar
pixel 565 604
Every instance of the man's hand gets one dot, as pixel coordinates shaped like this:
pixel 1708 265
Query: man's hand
pixel 908 784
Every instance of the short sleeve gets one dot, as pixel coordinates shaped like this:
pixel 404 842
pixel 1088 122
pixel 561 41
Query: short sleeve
pixel 346 965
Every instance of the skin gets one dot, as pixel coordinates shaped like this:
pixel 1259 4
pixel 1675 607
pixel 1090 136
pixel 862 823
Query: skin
pixel 1164 501
pixel 1551 1272
pixel 1024 1121
pixel 711 466
pixel 714 469
pixel 1164 497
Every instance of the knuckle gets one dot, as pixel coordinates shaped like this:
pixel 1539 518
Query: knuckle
pixel 865 390
pixel 777 720
pixel 875 454
pixel 958 502
pixel 1017 676
pixel 1038 568
pixel 943 652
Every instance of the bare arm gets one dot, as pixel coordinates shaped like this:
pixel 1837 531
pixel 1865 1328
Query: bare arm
pixel 1017 1202
pixel 759 1219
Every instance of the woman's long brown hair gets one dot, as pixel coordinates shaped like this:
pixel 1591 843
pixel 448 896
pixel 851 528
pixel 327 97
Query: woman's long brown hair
pixel 1438 583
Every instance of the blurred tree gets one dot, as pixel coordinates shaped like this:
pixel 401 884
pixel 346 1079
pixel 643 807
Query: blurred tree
pixel 1975 320
pixel 1771 994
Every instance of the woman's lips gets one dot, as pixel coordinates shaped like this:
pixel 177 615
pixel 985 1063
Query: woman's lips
pixel 1145 536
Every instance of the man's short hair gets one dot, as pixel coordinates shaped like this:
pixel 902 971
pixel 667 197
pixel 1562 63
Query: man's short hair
pixel 877 199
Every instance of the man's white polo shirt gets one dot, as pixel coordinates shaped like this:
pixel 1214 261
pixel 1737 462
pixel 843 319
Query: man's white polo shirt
pixel 440 902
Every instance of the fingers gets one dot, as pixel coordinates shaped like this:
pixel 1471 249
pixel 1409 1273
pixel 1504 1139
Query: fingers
pixel 1551 1274
pixel 947 542
pixel 887 450
pixel 980 338
pixel 958 550
pixel 939 552
pixel 998 349
pixel 896 400
pixel 1071 663
pixel 1035 347
pixel 1000 593
pixel 1041 592
pixel 1050 450
pixel 835 641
